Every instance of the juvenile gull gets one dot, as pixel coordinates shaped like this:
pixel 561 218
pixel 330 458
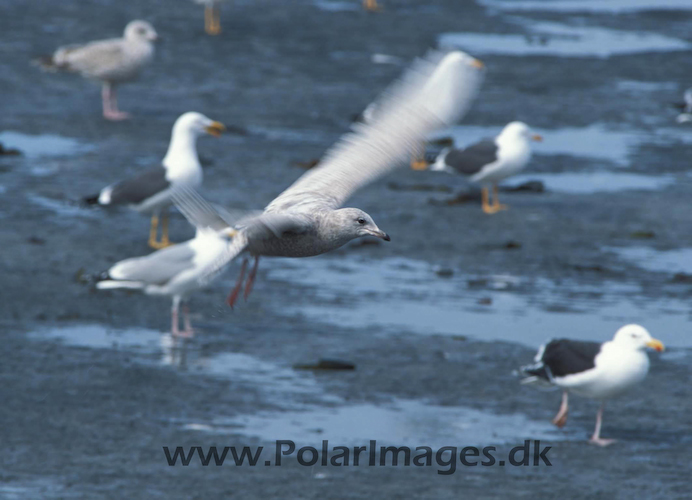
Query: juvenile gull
pixel 491 160
pixel 594 370
pixel 111 62
pixel 150 191
pixel 306 219
pixel 174 272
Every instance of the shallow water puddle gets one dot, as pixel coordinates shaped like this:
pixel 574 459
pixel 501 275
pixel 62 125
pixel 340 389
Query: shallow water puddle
pixel 596 182
pixel 406 296
pixel 669 261
pixel 556 39
pixel 337 5
pixel 60 207
pixel 280 382
pixel 37 146
pixel 595 141
pixel 610 6
pixel 98 337
pixel 402 423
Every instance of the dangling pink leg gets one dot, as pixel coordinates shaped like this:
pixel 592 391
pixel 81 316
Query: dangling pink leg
pixel 251 278
pixel 561 418
pixel 233 296
pixel 596 438
pixel 110 104
pixel 188 333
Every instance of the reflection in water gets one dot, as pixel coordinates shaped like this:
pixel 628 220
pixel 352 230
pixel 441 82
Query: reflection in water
pixel 402 422
pixel 596 182
pixel 37 146
pixel 404 295
pixel 555 39
pixel 612 6
pixel 670 261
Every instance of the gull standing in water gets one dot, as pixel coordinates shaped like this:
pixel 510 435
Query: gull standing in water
pixel 595 370
pixel 306 219
pixel 174 272
pixel 111 62
pixel 489 161
pixel 150 191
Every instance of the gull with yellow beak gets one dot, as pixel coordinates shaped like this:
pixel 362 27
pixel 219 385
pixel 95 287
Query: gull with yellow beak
pixel 150 192
pixel 489 161
pixel 594 370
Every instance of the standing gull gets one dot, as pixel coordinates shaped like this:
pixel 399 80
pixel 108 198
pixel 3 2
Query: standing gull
pixel 306 219
pixel 172 272
pixel 594 370
pixel 491 160
pixel 150 192
pixel 111 62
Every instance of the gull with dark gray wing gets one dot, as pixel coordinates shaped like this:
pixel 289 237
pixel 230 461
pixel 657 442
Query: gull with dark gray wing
pixel 595 370
pixel 150 191
pixel 490 161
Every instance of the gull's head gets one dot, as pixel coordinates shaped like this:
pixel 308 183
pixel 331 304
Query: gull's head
pixel 636 337
pixel 140 31
pixel 193 123
pixel 518 131
pixel 356 224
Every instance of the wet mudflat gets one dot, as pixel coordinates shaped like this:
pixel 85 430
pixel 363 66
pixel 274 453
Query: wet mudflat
pixel 436 321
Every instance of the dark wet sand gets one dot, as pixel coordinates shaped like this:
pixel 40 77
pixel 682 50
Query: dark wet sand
pixel 84 422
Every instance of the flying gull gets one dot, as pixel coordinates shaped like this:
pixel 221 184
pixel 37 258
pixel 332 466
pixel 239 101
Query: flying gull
pixel 489 161
pixel 306 219
pixel 111 62
pixel 594 370
pixel 150 191
pixel 174 272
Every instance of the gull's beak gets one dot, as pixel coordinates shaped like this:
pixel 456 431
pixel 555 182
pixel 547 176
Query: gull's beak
pixel 655 344
pixel 215 128
pixel 378 233
pixel 476 63
pixel 537 138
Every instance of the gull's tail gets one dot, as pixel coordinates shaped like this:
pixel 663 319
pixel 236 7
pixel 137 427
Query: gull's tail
pixel 237 246
pixel 111 284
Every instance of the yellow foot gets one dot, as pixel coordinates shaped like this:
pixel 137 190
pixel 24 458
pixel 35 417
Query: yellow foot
pixel 371 6
pixel 213 29
pixel 212 20
pixel 419 165
pixel 494 208
pixel 158 245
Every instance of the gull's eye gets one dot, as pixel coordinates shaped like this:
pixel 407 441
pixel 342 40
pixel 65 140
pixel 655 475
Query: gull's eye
pixel 360 221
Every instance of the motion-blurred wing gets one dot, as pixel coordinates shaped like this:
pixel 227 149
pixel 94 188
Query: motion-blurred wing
pixel 434 93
